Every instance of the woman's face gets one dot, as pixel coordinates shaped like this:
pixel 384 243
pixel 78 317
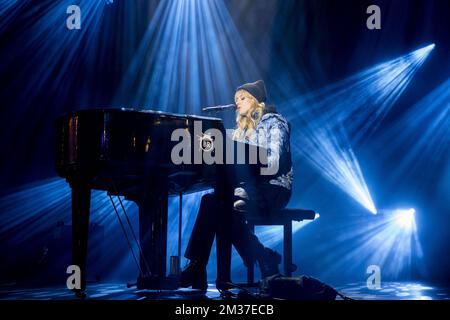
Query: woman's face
pixel 244 102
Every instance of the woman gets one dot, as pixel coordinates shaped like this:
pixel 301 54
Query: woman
pixel 256 124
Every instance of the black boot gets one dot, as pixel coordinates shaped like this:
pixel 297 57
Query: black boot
pixel 268 261
pixel 194 275
pixel 223 284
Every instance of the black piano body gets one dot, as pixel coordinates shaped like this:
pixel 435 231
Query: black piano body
pixel 128 152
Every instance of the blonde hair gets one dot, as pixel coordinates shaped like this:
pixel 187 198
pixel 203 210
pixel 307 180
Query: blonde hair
pixel 246 125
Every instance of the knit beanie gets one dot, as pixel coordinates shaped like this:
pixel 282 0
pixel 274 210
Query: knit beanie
pixel 256 89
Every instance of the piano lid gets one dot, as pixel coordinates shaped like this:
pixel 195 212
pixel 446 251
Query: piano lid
pixel 141 111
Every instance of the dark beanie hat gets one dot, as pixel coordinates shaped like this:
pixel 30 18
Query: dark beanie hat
pixel 256 89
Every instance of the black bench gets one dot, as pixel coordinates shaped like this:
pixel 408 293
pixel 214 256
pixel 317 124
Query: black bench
pixel 283 217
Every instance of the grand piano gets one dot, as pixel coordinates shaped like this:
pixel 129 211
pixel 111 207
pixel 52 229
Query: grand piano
pixel 128 153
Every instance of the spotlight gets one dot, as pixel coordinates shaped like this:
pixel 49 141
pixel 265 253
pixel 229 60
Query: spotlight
pixel 388 239
pixel 405 218
pixel 423 52
pixel 430 116
pixel 343 114
pixel 186 45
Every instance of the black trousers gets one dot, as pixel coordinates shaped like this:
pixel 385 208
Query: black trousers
pixel 243 239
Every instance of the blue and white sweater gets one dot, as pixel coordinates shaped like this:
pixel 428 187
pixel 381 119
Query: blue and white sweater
pixel 273 133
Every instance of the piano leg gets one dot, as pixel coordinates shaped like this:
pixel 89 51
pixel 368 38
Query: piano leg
pixel 223 237
pixel 223 249
pixel 153 217
pixel 81 202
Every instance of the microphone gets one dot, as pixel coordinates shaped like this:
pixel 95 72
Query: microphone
pixel 220 108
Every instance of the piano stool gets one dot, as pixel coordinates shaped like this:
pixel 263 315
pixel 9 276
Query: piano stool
pixel 283 217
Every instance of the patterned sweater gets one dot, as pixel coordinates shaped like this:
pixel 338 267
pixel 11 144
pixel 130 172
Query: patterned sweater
pixel 273 133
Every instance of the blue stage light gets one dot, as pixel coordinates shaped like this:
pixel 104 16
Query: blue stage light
pixel 9 10
pixel 405 218
pixel 388 240
pixel 424 131
pixel 331 121
pixel 6 5
pixel 190 56
pixel 29 216
pixel 58 57
pixel 422 53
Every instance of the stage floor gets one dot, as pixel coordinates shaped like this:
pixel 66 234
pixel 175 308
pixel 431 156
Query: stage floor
pixel 119 291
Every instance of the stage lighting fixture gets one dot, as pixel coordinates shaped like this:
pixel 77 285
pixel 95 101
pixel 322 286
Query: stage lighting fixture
pixel 187 45
pixel 405 218
pixel 424 51
pixel 428 151
pixel 388 239
pixel 340 116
